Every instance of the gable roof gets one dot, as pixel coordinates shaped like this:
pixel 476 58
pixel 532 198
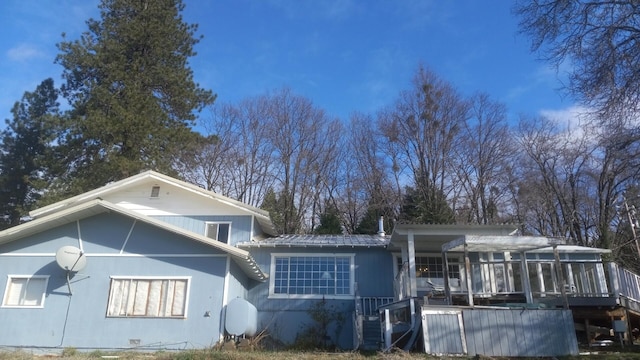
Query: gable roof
pixel 84 209
pixel 261 216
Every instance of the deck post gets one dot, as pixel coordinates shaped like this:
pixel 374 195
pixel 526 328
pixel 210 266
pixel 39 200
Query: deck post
pixel 614 284
pixel 388 329
pixel 526 281
pixel 412 264
pixel 560 274
pixel 447 289
pixel 467 266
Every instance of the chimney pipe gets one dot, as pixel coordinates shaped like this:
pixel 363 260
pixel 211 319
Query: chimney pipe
pixel 381 226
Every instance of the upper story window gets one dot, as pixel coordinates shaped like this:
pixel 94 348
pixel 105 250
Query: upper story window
pixel 25 291
pixel 155 191
pixel 163 297
pixel 219 231
pixel 312 275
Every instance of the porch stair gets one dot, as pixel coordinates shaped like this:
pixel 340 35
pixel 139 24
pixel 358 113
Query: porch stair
pixel 371 333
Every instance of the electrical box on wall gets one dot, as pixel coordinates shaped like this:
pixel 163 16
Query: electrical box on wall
pixel 619 326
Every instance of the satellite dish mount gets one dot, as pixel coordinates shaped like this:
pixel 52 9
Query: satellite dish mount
pixel 71 259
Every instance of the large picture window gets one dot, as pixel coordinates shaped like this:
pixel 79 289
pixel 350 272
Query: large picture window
pixel 25 291
pixel 148 297
pixel 323 275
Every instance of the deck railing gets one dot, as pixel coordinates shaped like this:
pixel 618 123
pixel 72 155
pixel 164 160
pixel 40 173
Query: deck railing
pixel 624 284
pixel 581 278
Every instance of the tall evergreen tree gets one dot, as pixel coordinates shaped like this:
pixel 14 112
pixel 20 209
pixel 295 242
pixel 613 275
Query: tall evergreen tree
pixel 275 204
pixel 24 151
pixel 416 209
pixel 330 223
pixel 132 92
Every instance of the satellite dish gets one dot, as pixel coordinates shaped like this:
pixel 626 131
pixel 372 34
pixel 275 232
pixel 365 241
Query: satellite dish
pixel 70 258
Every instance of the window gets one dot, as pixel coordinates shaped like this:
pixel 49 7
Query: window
pixel 218 231
pixel 155 191
pixel 430 268
pixel 25 291
pixel 321 275
pixel 148 297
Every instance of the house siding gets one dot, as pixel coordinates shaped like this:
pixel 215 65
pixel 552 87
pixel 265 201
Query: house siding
pixel 240 225
pixel 286 319
pixel 77 318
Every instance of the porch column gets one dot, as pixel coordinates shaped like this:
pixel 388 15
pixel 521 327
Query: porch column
pixel 560 274
pixel 447 286
pixel 614 284
pixel 412 264
pixel 406 286
pixel 526 281
pixel 467 266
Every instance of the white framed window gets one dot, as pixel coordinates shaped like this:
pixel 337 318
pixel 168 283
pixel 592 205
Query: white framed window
pixel 163 297
pixel 312 276
pixel 219 231
pixel 24 291
pixel 430 271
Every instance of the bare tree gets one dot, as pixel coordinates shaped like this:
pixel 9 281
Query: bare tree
pixel 303 140
pixel 232 159
pixel 556 186
pixel 600 40
pixel 424 125
pixel 483 153
pixel 370 191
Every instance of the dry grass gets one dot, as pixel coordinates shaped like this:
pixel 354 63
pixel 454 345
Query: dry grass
pixel 244 354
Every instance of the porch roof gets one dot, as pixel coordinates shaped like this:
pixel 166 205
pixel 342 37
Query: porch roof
pixel 431 237
pixel 500 243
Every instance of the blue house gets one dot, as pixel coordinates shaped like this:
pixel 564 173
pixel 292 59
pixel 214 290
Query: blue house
pixel 151 262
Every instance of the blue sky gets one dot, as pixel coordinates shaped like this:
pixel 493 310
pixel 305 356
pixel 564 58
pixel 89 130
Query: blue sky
pixel 344 55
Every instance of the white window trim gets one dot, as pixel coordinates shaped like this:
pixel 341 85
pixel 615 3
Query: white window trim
pixel 186 298
pixel 206 230
pixel 6 291
pixel 352 277
pixel 460 263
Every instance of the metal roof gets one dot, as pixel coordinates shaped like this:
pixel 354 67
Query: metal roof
pixel 320 241
pixel 95 207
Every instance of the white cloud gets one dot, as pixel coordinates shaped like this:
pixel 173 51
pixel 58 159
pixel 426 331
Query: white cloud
pixel 24 52
pixel 573 121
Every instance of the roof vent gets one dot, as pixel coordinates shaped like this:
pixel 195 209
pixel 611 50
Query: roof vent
pixel 155 191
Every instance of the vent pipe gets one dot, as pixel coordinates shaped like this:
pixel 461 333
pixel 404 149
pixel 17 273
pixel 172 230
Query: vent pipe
pixel 381 226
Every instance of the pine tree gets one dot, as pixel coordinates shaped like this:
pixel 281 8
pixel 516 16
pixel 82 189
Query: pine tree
pixel 421 209
pixel 25 151
pixel 281 215
pixel 330 223
pixel 132 92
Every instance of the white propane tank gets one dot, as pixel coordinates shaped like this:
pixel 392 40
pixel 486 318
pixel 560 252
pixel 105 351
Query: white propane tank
pixel 241 318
